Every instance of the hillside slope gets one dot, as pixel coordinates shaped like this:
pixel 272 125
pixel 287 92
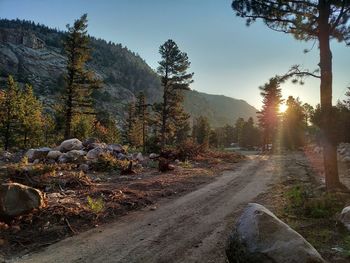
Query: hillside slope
pixel 34 54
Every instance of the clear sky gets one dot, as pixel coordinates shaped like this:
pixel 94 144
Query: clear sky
pixel 227 57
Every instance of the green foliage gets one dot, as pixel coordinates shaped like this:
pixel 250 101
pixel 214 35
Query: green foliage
pixel 201 131
pixel 186 164
pixel 83 126
pixel 21 119
pixel 294 124
pixel 95 205
pixel 107 162
pixel 80 82
pixel 31 119
pixel 22 169
pixel 301 201
pixel 188 150
pixel 174 79
pixel 10 113
pixel 269 115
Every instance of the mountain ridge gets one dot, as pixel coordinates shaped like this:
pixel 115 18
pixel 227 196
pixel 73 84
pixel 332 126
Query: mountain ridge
pixel 34 53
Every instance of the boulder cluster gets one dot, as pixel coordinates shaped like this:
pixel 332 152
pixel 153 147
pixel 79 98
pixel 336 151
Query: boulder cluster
pixel 82 153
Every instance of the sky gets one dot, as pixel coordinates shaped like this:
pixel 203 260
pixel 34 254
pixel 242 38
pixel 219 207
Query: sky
pixel 227 57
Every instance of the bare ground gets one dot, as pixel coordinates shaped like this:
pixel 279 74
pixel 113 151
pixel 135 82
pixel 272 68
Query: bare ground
pixel 192 228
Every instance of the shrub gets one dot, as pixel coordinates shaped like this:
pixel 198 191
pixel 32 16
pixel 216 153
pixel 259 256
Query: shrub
pixel 302 202
pixel 95 205
pixel 188 150
pixel 108 162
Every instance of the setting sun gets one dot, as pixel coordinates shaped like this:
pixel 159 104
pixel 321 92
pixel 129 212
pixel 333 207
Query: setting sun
pixel 283 108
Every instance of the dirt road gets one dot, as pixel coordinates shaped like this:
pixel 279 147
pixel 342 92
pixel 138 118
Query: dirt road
pixel 192 228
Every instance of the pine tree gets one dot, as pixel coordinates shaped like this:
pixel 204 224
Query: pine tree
pixel 201 131
pixel 238 130
pixel 269 115
pixel 293 124
pixel 79 82
pixel 143 117
pixel 31 118
pixel 321 20
pixel 174 79
pixel 10 113
pixel 133 126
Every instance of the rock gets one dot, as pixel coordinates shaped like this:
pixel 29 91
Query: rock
pixel 261 237
pixel 71 144
pixel 345 217
pixel 73 156
pixel 40 153
pixel 89 141
pixel 17 199
pixel 96 153
pixel 122 156
pixel 53 155
pixel 116 148
pixel 153 156
pixel 5 156
pixel 84 167
pixel 139 157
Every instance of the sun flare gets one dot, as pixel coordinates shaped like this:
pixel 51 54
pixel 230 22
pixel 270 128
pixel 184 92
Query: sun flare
pixel 283 107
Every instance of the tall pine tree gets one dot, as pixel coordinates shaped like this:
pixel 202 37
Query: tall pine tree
pixel 174 79
pixel 31 118
pixel 269 115
pixel 10 113
pixel 79 81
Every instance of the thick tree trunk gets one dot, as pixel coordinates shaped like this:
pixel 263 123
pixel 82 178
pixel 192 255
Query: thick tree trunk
pixel 329 140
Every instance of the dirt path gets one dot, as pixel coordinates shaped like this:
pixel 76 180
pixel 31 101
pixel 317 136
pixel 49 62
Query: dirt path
pixel 192 228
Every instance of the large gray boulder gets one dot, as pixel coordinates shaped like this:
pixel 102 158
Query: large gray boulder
pixel 71 144
pixel 17 199
pixel 115 149
pixel 345 217
pixel 260 236
pixel 94 154
pixel 53 155
pixel 37 154
pixel 73 156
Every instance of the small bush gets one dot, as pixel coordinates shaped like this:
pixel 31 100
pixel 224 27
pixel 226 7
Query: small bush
pixel 186 164
pixel 302 202
pixel 108 162
pixel 95 205
pixel 188 150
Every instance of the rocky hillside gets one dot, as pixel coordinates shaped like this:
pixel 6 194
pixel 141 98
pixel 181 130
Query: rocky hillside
pixel 34 54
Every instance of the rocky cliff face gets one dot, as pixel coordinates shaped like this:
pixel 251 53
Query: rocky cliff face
pixel 18 37
pixel 26 56
pixel 34 54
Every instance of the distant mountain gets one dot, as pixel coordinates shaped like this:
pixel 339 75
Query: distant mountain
pixel 34 54
pixel 219 109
